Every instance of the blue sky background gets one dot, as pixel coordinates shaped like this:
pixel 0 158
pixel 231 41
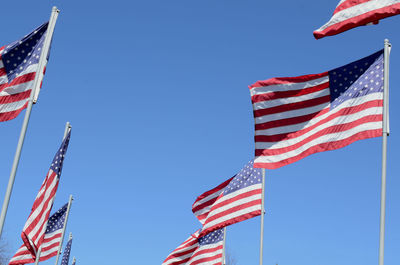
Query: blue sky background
pixel 156 92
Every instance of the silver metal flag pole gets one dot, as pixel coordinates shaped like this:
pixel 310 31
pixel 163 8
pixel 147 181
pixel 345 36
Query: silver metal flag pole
pixel 38 256
pixel 35 89
pixel 224 248
pixel 65 226
pixel 385 134
pixel 262 217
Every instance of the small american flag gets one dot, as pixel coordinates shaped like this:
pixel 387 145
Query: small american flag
pixel 18 66
pixel 353 13
pixel 209 250
pixel 182 254
pixel 238 199
pixel 51 242
pixel 35 226
pixel 206 250
pixel 202 206
pixel 299 116
pixel 67 252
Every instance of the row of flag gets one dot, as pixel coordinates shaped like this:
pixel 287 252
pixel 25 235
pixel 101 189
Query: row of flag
pixel 22 66
pixel 237 199
pixel 42 234
pixel 295 117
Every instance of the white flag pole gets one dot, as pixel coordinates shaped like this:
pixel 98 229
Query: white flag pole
pixel 65 226
pixel 38 255
pixel 224 248
pixel 385 134
pixel 262 217
pixel 35 89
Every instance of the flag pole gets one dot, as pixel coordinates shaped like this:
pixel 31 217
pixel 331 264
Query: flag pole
pixel 385 134
pixel 65 226
pixel 262 217
pixel 224 248
pixel 35 89
pixel 38 255
pixel 73 261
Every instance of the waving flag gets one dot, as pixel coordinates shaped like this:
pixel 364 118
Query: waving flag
pixel 19 63
pixel 209 250
pixel 67 252
pixel 182 254
pixel 206 250
pixel 35 226
pixel 299 116
pixel 202 206
pixel 353 13
pixel 51 241
pixel 239 200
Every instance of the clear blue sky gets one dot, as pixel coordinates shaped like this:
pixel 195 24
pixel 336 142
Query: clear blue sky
pixel 156 92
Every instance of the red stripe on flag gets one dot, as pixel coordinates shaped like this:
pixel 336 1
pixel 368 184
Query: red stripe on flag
pixel 287 80
pixel 292 106
pixel 233 220
pixel 322 147
pixel 301 119
pixel 6 116
pixel 290 93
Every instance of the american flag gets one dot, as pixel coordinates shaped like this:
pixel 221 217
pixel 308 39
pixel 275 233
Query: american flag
pixel 51 242
pixel 18 66
pixel 202 206
pixel 299 116
pixel 239 200
pixel 182 254
pixel 67 252
pixel 209 250
pixel 353 13
pixel 206 250
pixel 35 226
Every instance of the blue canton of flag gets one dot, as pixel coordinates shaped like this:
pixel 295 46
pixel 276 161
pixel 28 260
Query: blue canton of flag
pixel 67 251
pixel 212 238
pixel 209 250
pixel 246 177
pixel 356 79
pixel 21 54
pixel 57 220
pixel 58 160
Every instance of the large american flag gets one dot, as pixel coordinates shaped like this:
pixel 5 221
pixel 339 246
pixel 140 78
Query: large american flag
pixel 238 199
pixel 51 241
pixel 18 66
pixel 299 116
pixel 353 13
pixel 206 250
pixel 35 226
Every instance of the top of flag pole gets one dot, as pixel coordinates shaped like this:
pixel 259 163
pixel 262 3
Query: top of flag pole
pixel 46 47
